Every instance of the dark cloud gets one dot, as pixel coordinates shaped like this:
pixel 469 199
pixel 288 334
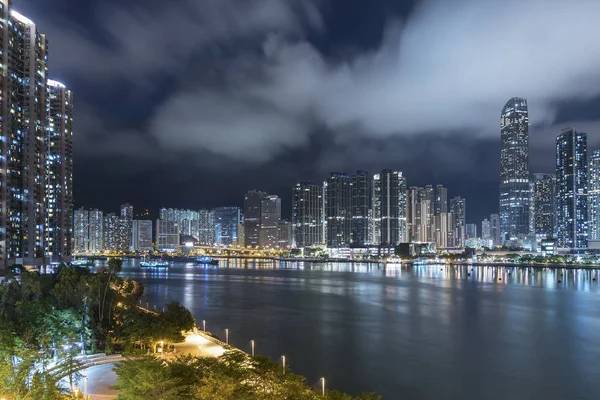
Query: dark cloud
pixel 195 91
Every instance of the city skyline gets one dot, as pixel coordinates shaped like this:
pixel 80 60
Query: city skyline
pixel 120 120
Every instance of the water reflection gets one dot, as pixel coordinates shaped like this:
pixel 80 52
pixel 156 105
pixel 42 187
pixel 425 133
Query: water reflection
pixel 416 332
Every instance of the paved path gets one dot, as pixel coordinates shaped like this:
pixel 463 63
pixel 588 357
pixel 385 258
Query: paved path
pixel 99 381
pixel 199 346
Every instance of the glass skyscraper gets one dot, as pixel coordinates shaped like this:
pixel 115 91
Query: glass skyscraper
pixel 307 214
pixel 227 220
pixel 390 207
pixel 338 209
pixel 571 189
pixel 515 191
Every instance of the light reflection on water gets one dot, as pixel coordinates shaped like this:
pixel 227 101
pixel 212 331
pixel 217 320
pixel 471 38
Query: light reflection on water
pixel 415 332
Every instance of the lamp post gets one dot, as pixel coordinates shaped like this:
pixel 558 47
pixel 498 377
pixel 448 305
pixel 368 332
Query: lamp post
pixel 226 336
pixel 85 381
pixel 283 363
pixel 323 385
pixel 204 326
pixel 252 347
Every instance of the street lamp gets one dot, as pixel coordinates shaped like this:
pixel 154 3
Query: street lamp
pixel 204 326
pixel 227 336
pixel 323 385
pixel 252 347
pixel 283 362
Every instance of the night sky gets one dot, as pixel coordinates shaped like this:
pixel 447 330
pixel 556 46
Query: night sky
pixel 189 103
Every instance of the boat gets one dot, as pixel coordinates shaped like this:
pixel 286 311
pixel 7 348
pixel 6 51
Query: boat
pixel 206 260
pixel 82 262
pixel 154 264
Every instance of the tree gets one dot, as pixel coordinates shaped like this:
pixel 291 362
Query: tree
pixel 114 267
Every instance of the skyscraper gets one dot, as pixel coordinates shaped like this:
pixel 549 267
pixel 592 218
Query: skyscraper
pixel 471 231
pixel 125 228
pixel 361 203
pixel 441 200
pixel 227 220
pixel 167 235
pixel 112 233
pixel 458 209
pixel 252 210
pixel 206 227
pixel 285 235
pixel 571 189
pixel 376 210
pixel 96 229
pixel 543 205
pixel 338 209
pixel 594 196
pixel 486 231
pixel 23 55
pixel 142 235
pixel 270 217
pixel 307 214
pixel 495 230
pixel 81 231
pixel 59 172
pixel 514 171
pixel 390 206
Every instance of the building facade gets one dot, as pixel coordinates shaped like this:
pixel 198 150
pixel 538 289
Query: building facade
pixel 361 204
pixel 458 208
pixel 142 235
pixel 338 210
pixel 270 217
pixel 59 172
pixel 206 227
pixel 81 231
pixel 571 190
pixel 167 235
pixel 594 196
pixel 96 229
pixel 495 230
pixel 389 200
pixel 252 218
pixel 307 214
pixel 514 171
pixel 227 221
pixel 544 208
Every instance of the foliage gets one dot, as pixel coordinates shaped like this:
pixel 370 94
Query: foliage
pixel 233 376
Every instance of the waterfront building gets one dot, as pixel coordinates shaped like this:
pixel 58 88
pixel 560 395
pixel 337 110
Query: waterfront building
pixel 285 235
pixel 458 210
pixel 206 227
pixel 96 231
pixel 112 233
pixel 338 209
pixel 441 200
pixel 444 230
pixel 470 231
pixel 486 231
pixel 252 218
pixel 544 207
pixel 391 207
pixel 142 235
pixel 594 196
pixel 495 230
pixel 361 204
pixel 125 228
pixel 307 214
pixel 571 190
pixel 81 231
pixel 514 171
pixel 412 211
pixel 270 217
pixel 376 210
pixel 59 172
pixel 23 121
pixel 167 235
pixel 227 221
